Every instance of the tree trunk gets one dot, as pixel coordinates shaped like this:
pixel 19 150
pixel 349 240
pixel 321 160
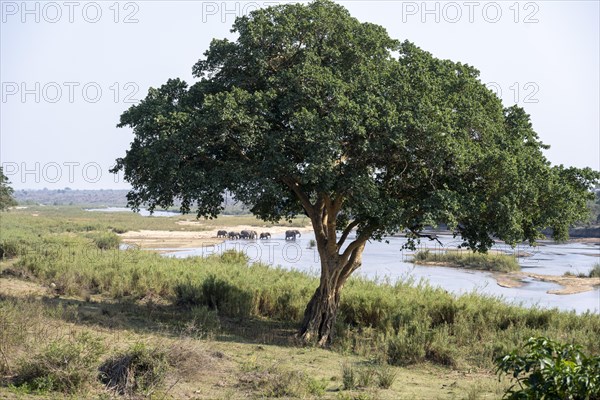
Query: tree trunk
pixel 336 265
pixel 321 312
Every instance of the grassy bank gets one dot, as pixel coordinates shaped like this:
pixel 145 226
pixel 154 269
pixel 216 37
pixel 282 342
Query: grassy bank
pixel 89 285
pixel 59 219
pixel 469 260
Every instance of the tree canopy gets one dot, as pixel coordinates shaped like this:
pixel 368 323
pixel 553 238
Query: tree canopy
pixel 311 111
pixel 6 193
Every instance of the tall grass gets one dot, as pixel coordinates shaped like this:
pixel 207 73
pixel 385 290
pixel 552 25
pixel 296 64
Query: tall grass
pixel 396 322
pixel 595 271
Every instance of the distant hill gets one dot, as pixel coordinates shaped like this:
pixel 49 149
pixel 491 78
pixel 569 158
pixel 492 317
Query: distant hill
pixel 97 198
pixel 66 197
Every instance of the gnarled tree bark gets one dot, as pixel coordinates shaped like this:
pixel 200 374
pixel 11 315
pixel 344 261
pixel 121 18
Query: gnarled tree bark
pixel 336 267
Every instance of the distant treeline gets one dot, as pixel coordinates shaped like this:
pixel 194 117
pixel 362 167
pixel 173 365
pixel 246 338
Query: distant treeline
pixel 69 197
pixel 98 198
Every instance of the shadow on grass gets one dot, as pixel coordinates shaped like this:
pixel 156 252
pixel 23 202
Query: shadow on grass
pixel 165 320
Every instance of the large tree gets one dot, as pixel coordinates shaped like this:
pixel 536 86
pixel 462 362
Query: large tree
pixel 312 112
pixel 6 193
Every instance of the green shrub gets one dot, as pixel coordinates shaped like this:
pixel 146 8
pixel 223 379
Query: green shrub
pixel 595 271
pixel 216 294
pixel 234 257
pixel 205 321
pixel 349 376
pixel 545 369
pixel 386 376
pixel 9 248
pixel 64 365
pixel 366 376
pixel 139 370
pixel 470 260
pixel 409 345
pixel 105 240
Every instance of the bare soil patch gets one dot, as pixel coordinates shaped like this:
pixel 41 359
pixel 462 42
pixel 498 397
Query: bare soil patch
pixel 570 284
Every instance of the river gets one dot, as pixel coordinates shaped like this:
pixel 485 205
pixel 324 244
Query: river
pixel 383 260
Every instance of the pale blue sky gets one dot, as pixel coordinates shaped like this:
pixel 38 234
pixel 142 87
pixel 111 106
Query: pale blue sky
pixel 543 55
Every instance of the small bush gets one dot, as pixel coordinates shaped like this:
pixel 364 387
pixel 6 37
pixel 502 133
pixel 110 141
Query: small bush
pixel 216 294
pixel 274 382
pixel 64 365
pixel 9 248
pixel 409 345
pixel 105 240
pixel 348 376
pixel 204 320
pixel 366 376
pixel 544 369
pixel 234 257
pixel 386 376
pixel 370 375
pixel 595 272
pixel 423 255
pixel 138 370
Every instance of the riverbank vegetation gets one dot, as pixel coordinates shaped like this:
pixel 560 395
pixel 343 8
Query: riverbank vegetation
pixel 81 284
pixel 468 259
pixel 593 273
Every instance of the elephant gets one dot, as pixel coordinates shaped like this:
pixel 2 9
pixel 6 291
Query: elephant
pixel 253 235
pixel 291 235
pixel 233 235
pixel 265 235
pixel 221 234
pixel 245 234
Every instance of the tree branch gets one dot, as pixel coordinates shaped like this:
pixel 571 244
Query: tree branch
pixel 360 240
pixel 346 232
pixel 304 200
pixel 430 237
pixel 353 263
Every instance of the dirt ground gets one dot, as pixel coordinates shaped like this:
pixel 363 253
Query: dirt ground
pixel 570 284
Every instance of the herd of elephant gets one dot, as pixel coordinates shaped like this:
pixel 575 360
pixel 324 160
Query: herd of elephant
pixel 289 235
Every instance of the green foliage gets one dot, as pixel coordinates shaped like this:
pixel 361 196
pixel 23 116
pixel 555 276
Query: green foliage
pixel 469 260
pixel 349 377
pixel 216 294
pixel 310 111
pixel 105 240
pixel 595 271
pixel 63 365
pixel 403 138
pixel 140 369
pixel 386 376
pixel 545 369
pixel 6 193
pixel 368 375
